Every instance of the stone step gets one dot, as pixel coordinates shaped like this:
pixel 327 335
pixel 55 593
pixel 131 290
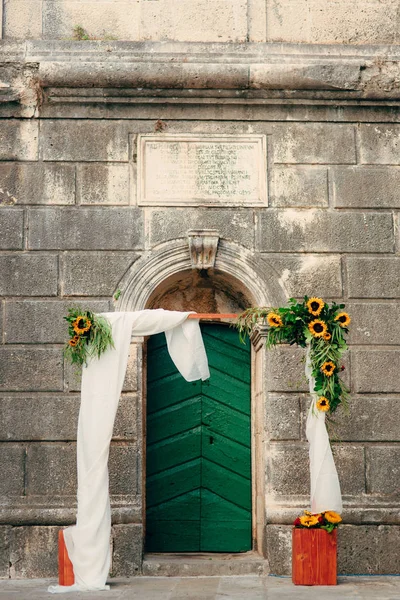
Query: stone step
pixel 204 564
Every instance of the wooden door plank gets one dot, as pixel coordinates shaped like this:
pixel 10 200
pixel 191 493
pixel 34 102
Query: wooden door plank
pixel 173 482
pixel 226 453
pixel 174 419
pixel 163 455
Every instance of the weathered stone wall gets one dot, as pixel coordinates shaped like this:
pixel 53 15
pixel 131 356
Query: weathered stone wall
pixel 302 21
pixel 70 228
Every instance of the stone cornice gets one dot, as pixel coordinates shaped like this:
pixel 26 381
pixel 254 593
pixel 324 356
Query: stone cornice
pixel 245 71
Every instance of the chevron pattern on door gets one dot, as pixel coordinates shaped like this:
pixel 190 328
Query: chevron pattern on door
pixel 198 463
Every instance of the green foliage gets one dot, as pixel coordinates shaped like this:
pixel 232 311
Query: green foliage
pixel 90 336
pixel 80 34
pixel 313 323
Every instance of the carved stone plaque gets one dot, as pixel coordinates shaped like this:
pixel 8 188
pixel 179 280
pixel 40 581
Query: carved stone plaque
pixel 193 170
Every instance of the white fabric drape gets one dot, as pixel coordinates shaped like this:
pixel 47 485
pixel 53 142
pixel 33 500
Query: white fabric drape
pixel 325 486
pixel 88 542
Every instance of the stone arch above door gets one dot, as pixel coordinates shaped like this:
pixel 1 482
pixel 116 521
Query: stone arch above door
pixel 250 277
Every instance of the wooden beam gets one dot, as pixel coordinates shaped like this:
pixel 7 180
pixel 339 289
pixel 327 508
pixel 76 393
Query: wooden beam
pixel 213 316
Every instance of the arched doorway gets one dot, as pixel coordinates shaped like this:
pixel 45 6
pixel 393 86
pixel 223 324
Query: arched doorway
pixel 163 277
pixel 198 442
pixel 198 449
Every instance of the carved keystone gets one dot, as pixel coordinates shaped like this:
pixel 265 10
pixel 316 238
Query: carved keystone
pixel 203 244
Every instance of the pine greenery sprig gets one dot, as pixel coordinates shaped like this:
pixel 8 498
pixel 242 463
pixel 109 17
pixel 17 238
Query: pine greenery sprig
pixel 309 322
pixel 90 336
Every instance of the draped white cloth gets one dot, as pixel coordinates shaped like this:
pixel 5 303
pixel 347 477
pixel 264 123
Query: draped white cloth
pixel 88 542
pixel 325 486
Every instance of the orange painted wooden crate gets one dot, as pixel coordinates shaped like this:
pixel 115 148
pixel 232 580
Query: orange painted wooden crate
pixel 314 557
pixel 65 569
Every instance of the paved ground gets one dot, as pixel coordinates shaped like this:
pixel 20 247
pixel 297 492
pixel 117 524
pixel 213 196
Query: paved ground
pixel 213 588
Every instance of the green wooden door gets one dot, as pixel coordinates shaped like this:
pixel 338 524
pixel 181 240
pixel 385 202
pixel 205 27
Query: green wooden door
pixel 198 485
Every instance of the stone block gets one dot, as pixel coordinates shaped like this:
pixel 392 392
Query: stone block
pixel 123 467
pixel 373 323
pixel 85 229
pixel 279 549
pixel 232 224
pixel 30 368
pixel 306 21
pixel 383 469
pixel 28 275
pixel 127 553
pixel 12 460
pixel 373 277
pixel 72 377
pixel 350 465
pixel 367 420
pixel 283 416
pixel 126 420
pixel 55 418
pixel 11 229
pixel 300 274
pixel 285 370
pixel 37 183
pixel 41 321
pixel 22 19
pixel 2 311
pixel 5 537
pixel 38 417
pixel 73 374
pixel 93 274
pixel 324 231
pixel 380 144
pixel 289 471
pixel 19 139
pixel 216 21
pixel 103 184
pixel 366 187
pixel 320 143
pixel 84 141
pixel 116 20
pixel 367 549
pixel 376 370
pixel 34 552
pixel 51 469
pixel 299 186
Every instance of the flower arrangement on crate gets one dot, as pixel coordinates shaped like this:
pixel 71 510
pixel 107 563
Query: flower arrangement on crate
pixel 328 520
pixel 313 323
pixel 90 335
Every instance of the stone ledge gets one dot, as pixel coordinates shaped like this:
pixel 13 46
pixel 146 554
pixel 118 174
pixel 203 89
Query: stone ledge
pixel 197 565
pixel 124 510
pixel 369 71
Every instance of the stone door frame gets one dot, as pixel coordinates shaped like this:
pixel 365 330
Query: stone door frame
pixel 262 284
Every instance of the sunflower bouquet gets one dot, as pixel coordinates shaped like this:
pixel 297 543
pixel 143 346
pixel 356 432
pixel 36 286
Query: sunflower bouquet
pixel 328 520
pixel 313 323
pixel 90 335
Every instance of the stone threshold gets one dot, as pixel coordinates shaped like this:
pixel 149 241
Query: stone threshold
pixel 208 564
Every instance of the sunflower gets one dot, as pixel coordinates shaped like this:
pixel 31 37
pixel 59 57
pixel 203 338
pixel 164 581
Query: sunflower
pixel 309 520
pixel 81 324
pixel 323 404
pixel 332 517
pixel 73 341
pixel 315 306
pixel 318 328
pixel 328 367
pixel 327 336
pixel 274 320
pixel 343 318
